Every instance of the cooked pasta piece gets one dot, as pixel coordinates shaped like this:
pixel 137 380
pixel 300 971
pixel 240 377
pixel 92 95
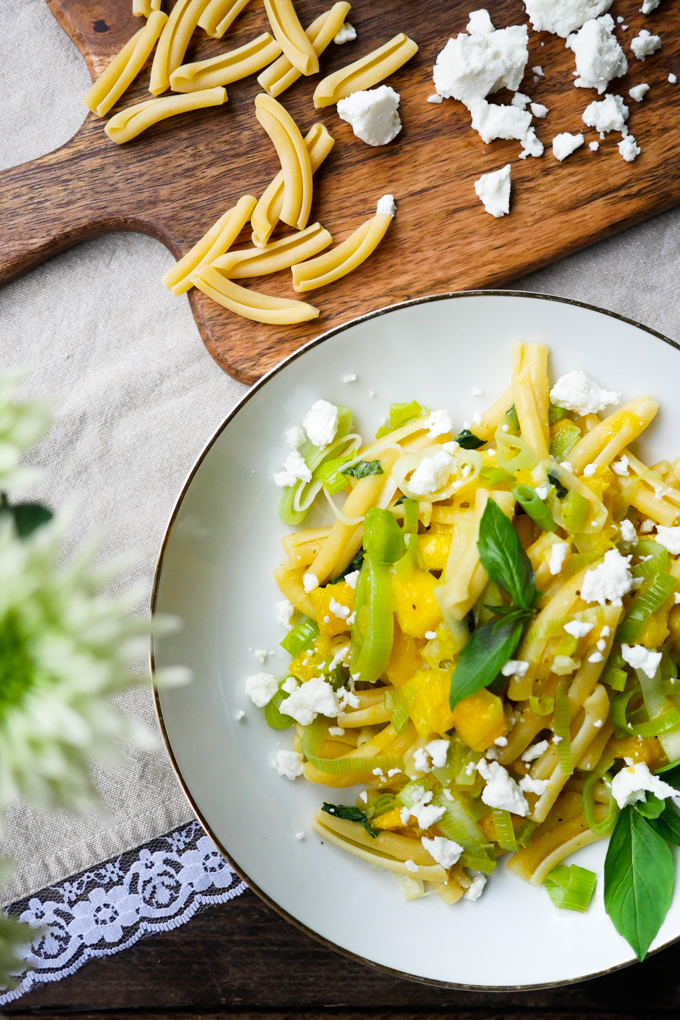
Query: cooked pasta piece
pixel 267 212
pixel 530 394
pixel 144 8
pixel 294 157
pixel 227 67
pixel 214 243
pixel 290 35
pixel 366 72
pixel 243 265
pixel 127 124
pixel 604 443
pixel 173 43
pixel 219 14
pixel 125 67
pixel 250 304
pixel 347 256
pixel 282 74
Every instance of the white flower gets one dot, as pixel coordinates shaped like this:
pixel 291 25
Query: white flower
pixel 21 426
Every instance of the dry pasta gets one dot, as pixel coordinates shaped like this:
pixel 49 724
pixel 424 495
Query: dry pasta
pixel 125 67
pixel 366 72
pixel 243 265
pixel 219 14
pixel 290 35
pixel 144 8
pixel 251 304
pixel 282 74
pixel 173 42
pixel 227 67
pixel 129 123
pixel 294 157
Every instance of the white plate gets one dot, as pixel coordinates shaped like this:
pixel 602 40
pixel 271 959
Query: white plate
pixel 215 573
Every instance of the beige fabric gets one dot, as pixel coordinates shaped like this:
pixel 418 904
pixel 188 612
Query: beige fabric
pixel 140 396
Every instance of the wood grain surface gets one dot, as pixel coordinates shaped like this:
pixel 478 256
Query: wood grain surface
pixel 174 180
pixel 244 961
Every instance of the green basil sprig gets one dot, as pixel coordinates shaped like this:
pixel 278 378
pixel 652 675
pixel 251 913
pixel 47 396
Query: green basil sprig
pixel 468 440
pixel 504 559
pixel 483 657
pixel 351 814
pixel 362 469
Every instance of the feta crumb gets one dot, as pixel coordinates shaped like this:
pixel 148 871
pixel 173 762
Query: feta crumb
pixel 577 629
pixel 444 851
pixel 288 764
pixel 644 44
pixel 336 731
pixel 638 92
pixel 338 609
pixel 598 724
pixel 294 470
pixel 558 554
pixel 372 114
pixel 437 750
pixel 480 23
pixel 608 582
pixel 386 206
pixel 310 582
pixel 576 392
pixel 421 761
pixel 594 146
pixel 377 772
pixel 629 148
pixel 393 772
pixel 642 658
pixel 563 16
pixel 284 612
pixel 599 58
pixel 630 785
pixel 300 835
pixel 411 866
pixel 669 538
pixel 431 474
pixel 350 377
pixel 609 114
pixel 321 423
pixel 542 490
pixel 647 526
pixel 605 632
pixel 596 657
pixel 261 688
pixel 539 110
pixel 315 697
pixel 567 466
pixel 476 393
pixel 352 578
pixel 535 751
pixel 529 785
pixel 501 741
pixel 435 99
pixel 295 437
pixel 676 597
pixel 438 424
pixel 531 145
pixel 260 654
pixel 472 66
pixel 620 467
pixel 430 634
pixel 589 470
pixel 240 714
pixel 520 100
pixel 492 121
pixel 347 33
pixel 289 685
pixel 494 191
pixel 538 70
pixel 556 739
pixel 426 814
pixel 649 5
pixel 501 791
pixel 476 889
pixel 565 143
pixel 515 667
pixel 371 393
pixel 673 78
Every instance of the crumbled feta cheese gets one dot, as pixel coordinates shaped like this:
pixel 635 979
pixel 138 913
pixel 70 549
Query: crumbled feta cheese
pixel 520 100
pixel 240 714
pixel 393 772
pixel 352 578
pixel 494 191
pixel 676 597
pixel 609 114
pixel 629 148
pixel 294 470
pixel 426 814
pixel 630 785
pixel 284 611
pixel 338 609
pixel 558 554
pixel 644 44
pixel 421 761
pixel 350 377
pixel 638 92
pixel 531 145
pixel 480 23
pixel 565 143
pixel 386 206
pixel 336 731
pixel 377 772
pixel 608 582
pixel 576 392
pixel 372 114
pixel 539 110
pixel 577 629
pixel 289 685
pixel 430 634
pixel 295 437
pixel 620 467
pixel 601 645
pixel 411 866
pixel 261 688
pixel 437 750
pixel 315 697
pixel 538 70
pixel 288 764
pixel 535 751
pixel 598 724
pixel 642 658
pixel 472 66
pixel 300 836
pixel 501 741
pixel 347 33
pixel 649 5
pixel 557 740
pixel 563 16
pixel 310 582
pixel 321 423
pixel 543 490
pixel 491 121
pixel 501 791
pixel 444 851
pixel 476 889
pixel 432 473
pixel 647 526
pixel 476 393
pixel 669 538
pixel 435 99
pixel 599 58
pixel 567 466
pixel 673 78
pixel 515 667
pixel 438 424
pixel 593 146
pixel 589 470
pixel 260 654
pixel 605 632
pixel 596 657
pixel 529 785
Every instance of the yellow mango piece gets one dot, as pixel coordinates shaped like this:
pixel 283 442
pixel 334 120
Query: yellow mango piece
pixel 645 749
pixel 388 820
pixel 417 609
pixel 431 712
pixel 309 662
pixel 331 622
pixel 479 719
pixel 405 658
pixel 434 549
pixel 655 630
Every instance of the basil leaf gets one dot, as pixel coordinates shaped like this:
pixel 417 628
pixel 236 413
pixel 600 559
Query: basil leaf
pixel 638 880
pixel 503 557
pixel 668 824
pixel 351 814
pixel 468 440
pixel 559 488
pixel 356 564
pixel 671 774
pixel 651 807
pixel 363 469
pixel 27 516
pixel 483 657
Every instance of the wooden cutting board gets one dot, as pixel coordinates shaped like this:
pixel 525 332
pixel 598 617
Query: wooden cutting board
pixel 176 179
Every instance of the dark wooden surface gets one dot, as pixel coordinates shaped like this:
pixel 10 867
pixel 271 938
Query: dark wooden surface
pixel 242 959
pixel 174 180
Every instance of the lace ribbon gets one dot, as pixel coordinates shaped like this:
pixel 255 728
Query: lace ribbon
pixel 108 908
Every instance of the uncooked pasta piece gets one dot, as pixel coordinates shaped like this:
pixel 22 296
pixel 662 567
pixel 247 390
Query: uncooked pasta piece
pixel 173 42
pixel 294 157
pixel 219 14
pixel 343 259
pixel 290 34
pixel 267 212
pixel 144 8
pixel 242 265
pixel 127 124
pixel 281 75
pixel 227 67
pixel 214 243
pixel 251 304
pixel 125 67
pixel 365 73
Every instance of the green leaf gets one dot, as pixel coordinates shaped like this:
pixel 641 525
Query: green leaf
pixel 483 657
pixel 468 441
pixel 503 557
pixel 27 516
pixel 668 824
pixel 651 807
pixel 638 880
pixel 560 489
pixel 671 774
pixel 356 564
pixel 363 469
pixel 350 814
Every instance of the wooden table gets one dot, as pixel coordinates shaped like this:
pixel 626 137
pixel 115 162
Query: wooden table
pixel 242 960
